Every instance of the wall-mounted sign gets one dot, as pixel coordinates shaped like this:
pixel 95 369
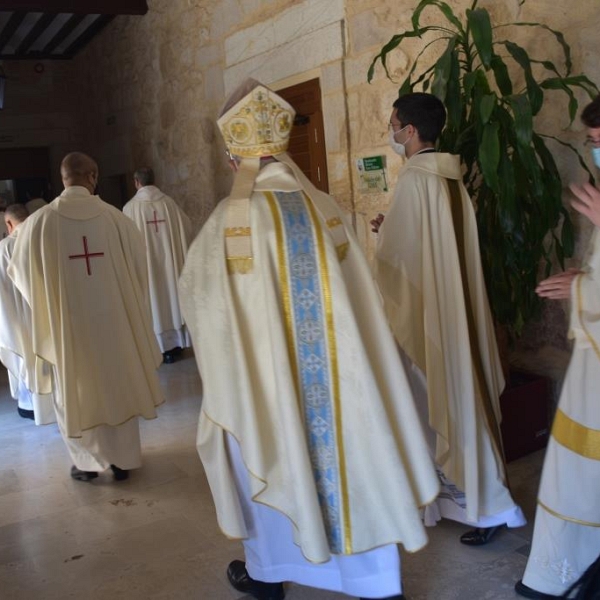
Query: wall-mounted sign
pixel 371 174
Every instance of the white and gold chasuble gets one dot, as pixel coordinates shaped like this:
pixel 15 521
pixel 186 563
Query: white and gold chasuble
pixel 302 371
pixel 428 268
pixel 166 231
pixel 16 349
pixel 566 538
pixel 80 264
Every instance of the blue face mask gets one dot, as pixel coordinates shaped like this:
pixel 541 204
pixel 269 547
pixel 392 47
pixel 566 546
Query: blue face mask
pixel 596 156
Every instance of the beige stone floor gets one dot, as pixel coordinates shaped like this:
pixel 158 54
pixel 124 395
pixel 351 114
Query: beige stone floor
pixel 155 535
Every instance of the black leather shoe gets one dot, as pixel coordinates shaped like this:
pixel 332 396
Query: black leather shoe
pixel 480 535
pixel 527 592
pixel 168 358
pixel 80 475
pixel 242 582
pixel 119 474
pixel 26 414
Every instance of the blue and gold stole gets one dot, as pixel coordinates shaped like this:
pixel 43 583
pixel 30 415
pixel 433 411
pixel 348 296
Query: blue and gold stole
pixel 307 304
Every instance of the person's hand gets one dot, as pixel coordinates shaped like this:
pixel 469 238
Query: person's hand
pixel 376 223
pixel 587 201
pixel 557 287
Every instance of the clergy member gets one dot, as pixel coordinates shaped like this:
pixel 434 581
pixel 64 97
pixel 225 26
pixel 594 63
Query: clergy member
pixel 15 331
pixel 166 231
pixel 566 534
pixel 308 431
pixel 34 202
pixel 80 264
pixel 428 268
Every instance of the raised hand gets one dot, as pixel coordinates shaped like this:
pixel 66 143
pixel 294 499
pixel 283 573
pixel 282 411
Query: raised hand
pixel 587 201
pixel 557 287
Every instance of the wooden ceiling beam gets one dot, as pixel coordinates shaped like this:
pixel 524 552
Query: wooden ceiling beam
pixel 88 34
pixel 10 28
pixel 42 23
pixel 62 33
pixel 87 7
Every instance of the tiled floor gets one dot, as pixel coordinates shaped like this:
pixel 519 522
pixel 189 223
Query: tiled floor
pixel 155 536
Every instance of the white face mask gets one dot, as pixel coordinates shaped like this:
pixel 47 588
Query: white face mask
pixel 397 147
pixel 596 156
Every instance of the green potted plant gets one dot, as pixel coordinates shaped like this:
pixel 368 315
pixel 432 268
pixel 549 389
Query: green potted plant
pixel 509 171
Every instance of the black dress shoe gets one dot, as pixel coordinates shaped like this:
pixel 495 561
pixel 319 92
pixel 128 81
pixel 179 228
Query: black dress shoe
pixel 82 475
pixel 480 535
pixel 119 474
pixel 26 414
pixel 527 592
pixel 168 358
pixel 242 582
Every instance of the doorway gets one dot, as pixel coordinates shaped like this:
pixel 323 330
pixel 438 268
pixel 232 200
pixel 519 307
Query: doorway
pixel 307 140
pixel 24 175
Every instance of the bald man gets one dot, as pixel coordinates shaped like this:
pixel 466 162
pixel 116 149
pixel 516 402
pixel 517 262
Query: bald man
pixel 15 330
pixel 80 264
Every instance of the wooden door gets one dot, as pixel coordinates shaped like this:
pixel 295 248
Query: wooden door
pixel 307 140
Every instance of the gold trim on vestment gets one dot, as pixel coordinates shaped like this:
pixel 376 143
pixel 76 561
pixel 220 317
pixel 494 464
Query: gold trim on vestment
pixel 581 320
pixel 479 382
pixel 284 285
pixel 238 231
pixel 255 498
pixel 335 377
pixel 565 518
pixel 578 438
pixel 86 429
pixel 241 265
pixel 342 251
pixel 333 222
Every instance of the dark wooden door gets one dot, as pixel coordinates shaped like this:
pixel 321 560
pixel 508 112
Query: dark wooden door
pixel 307 141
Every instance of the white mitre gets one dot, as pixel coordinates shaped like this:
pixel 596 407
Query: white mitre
pixel 256 123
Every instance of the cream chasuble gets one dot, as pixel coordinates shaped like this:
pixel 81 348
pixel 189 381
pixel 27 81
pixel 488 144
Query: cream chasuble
pixel 80 264
pixel 166 230
pixel 16 351
pixel 429 272
pixel 302 371
pixel 566 537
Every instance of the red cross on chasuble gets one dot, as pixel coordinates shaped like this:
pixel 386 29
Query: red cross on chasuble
pixel 156 221
pixel 87 255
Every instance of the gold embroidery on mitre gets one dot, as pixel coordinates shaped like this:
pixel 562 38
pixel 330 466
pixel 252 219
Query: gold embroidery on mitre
pixel 258 125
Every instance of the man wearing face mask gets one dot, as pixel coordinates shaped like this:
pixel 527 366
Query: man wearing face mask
pixel 428 268
pixel 80 264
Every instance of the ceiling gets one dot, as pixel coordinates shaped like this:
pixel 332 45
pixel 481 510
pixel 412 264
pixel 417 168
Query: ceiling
pixel 56 29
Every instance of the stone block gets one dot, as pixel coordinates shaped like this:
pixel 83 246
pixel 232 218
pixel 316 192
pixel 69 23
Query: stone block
pixel 294 23
pixel 296 56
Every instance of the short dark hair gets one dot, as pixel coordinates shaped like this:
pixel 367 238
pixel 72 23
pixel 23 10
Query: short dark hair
pixel 145 175
pixel 423 111
pixel 591 114
pixel 17 212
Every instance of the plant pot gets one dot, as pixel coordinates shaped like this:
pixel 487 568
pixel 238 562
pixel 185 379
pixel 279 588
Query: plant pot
pixel 525 406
